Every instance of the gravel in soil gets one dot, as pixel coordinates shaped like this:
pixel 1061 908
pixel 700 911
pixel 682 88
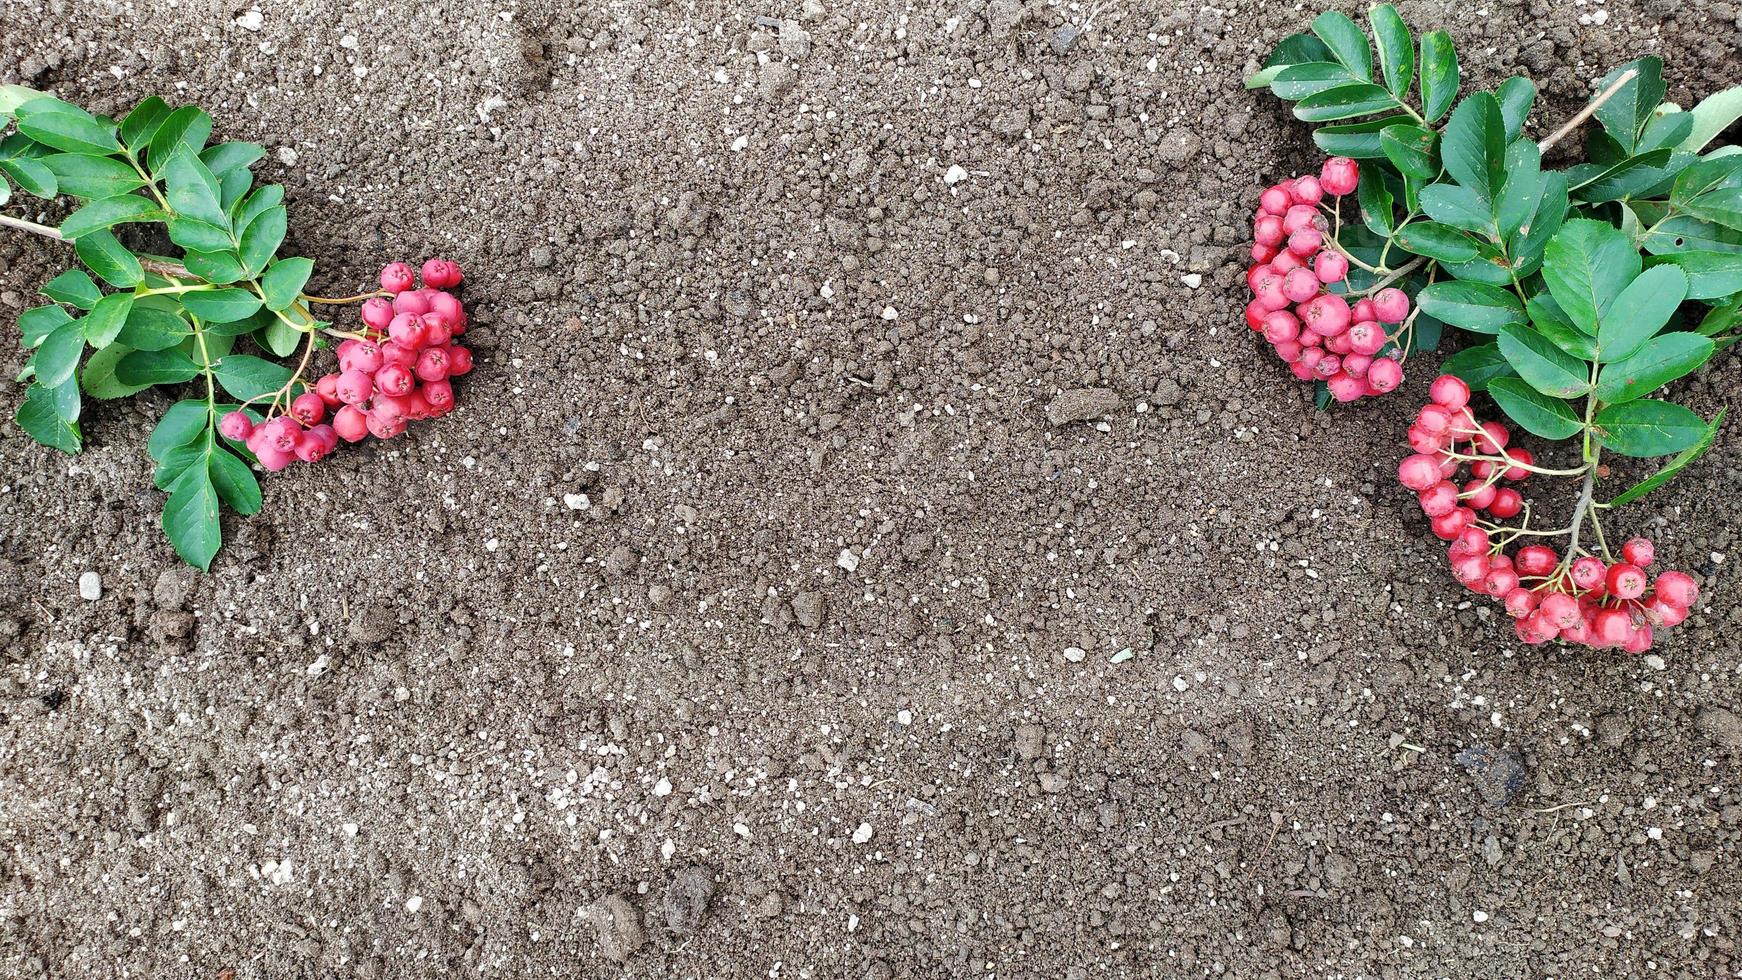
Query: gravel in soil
pixel 869 546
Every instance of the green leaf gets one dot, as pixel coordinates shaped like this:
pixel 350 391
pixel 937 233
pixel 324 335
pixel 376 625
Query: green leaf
pixel 1410 149
pixel 73 288
pixel 5 188
pixel 176 463
pixel 1625 114
pixel 1685 233
pixel 1442 243
pixel 36 324
pixel 1586 266
pixel 104 323
pixel 1296 49
pixel 40 420
pixel 221 305
pixel 186 128
pixel 1358 141
pixel 156 367
pixel 218 268
pixel 1634 175
pixel 225 157
pixel 235 484
pixel 246 377
pixel 1662 360
pixel 92 178
pixel 1473 147
pixel 260 239
pixel 1711 275
pixel 283 281
pixel 1648 428
pixel 199 236
pixel 1459 207
pixel 1344 102
pixel 1640 311
pixel 107 213
pixel 1714 114
pixel 58 356
pixel 1516 95
pixel 280 338
pixel 1346 43
pixel 1296 82
pixel 143 122
pixel 65 126
pixel 1673 467
pixel 13 96
pixel 190 517
pixel 98 378
pixel 1374 200
pixel 1543 365
pixel 1439 74
pixel 192 190
pixel 1396 49
pixel 152 328
pixel 1551 321
pixel 1523 188
pixel 1537 413
pixel 1473 306
pixel 232 186
pixel 270 196
pixel 185 421
pixel 1478 366
pixel 1529 243
pixel 31 175
pixel 104 254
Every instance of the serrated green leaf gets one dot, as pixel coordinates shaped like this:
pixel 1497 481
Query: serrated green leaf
pixel 1542 364
pixel 32 176
pixel 1296 82
pixel 1346 43
pixel 232 187
pixel 260 239
pixel 1648 427
pixel 283 281
pixel 1439 74
pixel 235 483
pixel 156 367
pixel 1473 146
pixel 1551 321
pixel 92 178
pixel 1523 187
pixel 225 157
pixel 1358 141
pixel 36 324
pixel 1625 114
pixel 190 517
pixel 1516 95
pixel 57 357
pixel 1685 233
pixel 280 338
pixel 74 288
pixel 185 421
pixel 1627 178
pixel 1440 242
pixel 199 236
pixel 1663 359
pixel 1537 413
pixel 1714 114
pixel 65 400
pixel 1374 200
pixel 98 378
pixel 218 268
pixel 270 196
pixel 105 321
pixel 1479 365
pixel 1586 266
pixel 1457 206
pixel 1673 467
pixel 1640 311
pixel 1296 49
pixel 185 129
pixel 1711 275
pixel 1529 243
pixel 193 191
pixel 13 96
pixel 177 462
pixel 143 122
pixel 1396 49
pixel 1411 149
pixel 104 254
pixel 65 126
pixel 107 213
pixel 1345 102
pixel 40 420
pixel 246 377
pixel 1472 306
pixel 152 328
pixel 221 305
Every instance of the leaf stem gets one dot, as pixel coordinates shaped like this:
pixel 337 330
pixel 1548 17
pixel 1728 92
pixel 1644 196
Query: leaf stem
pixel 1566 129
pixel 345 300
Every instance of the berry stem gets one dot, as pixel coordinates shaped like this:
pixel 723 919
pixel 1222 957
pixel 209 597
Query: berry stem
pixel 345 300
pixel 1566 129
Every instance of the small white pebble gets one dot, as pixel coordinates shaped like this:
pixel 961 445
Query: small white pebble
pixel 90 586
pixel 414 903
pixel 740 143
pixel 253 20
pixel 955 174
pixel 904 717
pixel 1192 280
pixel 1479 915
pixel 576 501
pixel 889 313
pixel 663 787
pixel 287 156
pixel 847 560
pixel 863 834
pixel 1179 684
pixel 1075 654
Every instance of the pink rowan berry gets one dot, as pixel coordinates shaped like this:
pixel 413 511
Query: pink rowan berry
pixel 1363 310
pixel 1522 459
pixel 1639 640
pixel 1262 253
pixel 394 380
pixel 441 274
pixel 1588 572
pixel 1638 551
pixel 1439 499
pixel 416 405
pixel 364 356
pixel 1267 230
pixel 328 388
pixel 1255 313
pixel 1449 526
pixel 1520 602
pixel 1473 540
pixel 1275 201
pixel 1479 494
pixel 1385 375
pixel 394 353
pixel 1327 366
pixel 236 426
pixel 1326 314
pixel 1663 612
pixel 350 423
pixel 414 301
pixel 438 331
pixel 1306 242
pixel 1434 418
pixel 382 428
pixel 1390 305
pixel 1286 262
pixel 1529 631
pixel 1345 388
pixel 396 277
pixel 1302 216
pixel 1626 581
pixel 1500 581
pixel 282 434
pixel 1331 267
pixel 459 360
pixel 1611 627
pixel 1279 327
pixel 1300 285
pixel 447 305
pixel 1507 503
pixel 273 459
pixel 1306 190
pixel 354 387
pixel 1677 588
pixel 1450 391
pixel 1288 350
pixel 377 312
pixel 1339 176
pixel 1470 569
pixel 1418 472
pixel 407 330
pixel 1301 368
pixel 1366 337
pixel 439 395
pixel 1355 365
pixel 308 408
pixel 1492 439
pixel 1561 609
pixel 1536 560
pixel 311 450
pixel 432 364
pixel 1423 441
pixel 1339 343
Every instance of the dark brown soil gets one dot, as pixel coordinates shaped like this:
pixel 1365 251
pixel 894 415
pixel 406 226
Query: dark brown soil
pixel 797 693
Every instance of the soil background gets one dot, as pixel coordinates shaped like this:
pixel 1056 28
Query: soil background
pixel 751 618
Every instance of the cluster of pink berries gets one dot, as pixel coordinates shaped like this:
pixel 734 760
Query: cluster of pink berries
pixel 1316 331
pixel 1580 600
pixel 398 371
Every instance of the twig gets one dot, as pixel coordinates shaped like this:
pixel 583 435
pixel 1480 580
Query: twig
pixel 1578 120
pixel 150 265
